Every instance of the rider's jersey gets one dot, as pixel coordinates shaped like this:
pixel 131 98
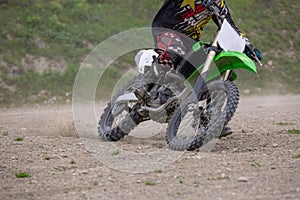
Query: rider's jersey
pixel 181 16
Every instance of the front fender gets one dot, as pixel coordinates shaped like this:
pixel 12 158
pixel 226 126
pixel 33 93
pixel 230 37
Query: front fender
pixel 231 60
pixel 228 60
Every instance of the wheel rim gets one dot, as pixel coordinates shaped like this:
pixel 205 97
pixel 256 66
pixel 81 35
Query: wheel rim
pixel 193 122
pixel 113 121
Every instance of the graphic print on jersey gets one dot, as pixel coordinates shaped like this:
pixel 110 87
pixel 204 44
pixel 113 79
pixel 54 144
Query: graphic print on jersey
pixel 194 20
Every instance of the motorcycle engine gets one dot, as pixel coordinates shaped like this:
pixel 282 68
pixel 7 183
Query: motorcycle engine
pixel 159 96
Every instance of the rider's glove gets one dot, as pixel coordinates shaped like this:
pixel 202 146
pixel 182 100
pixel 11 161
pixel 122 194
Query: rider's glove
pixel 252 52
pixel 207 3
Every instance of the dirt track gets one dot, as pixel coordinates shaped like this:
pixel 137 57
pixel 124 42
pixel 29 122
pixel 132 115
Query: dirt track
pixel 260 160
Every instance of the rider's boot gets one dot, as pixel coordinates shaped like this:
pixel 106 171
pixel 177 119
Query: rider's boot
pixel 226 131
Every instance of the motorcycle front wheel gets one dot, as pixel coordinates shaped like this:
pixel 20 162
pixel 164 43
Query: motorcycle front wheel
pixel 194 124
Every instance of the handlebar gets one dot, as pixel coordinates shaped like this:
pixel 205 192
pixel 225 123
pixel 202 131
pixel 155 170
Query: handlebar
pixel 214 8
pixel 253 54
pixel 220 13
pixel 257 60
pixel 217 11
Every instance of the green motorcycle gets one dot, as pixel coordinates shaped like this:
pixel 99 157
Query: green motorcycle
pixel 197 99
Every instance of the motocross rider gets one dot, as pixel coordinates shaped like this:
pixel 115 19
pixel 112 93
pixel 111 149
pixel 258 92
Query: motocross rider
pixel 187 17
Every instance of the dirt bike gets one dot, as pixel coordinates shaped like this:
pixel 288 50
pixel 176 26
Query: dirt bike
pixel 193 98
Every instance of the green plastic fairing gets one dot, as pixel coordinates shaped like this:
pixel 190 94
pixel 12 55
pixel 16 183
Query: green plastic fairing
pixel 229 60
pixel 197 46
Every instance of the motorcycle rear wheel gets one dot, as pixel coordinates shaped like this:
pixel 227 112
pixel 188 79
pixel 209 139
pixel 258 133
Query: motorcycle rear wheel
pixel 113 127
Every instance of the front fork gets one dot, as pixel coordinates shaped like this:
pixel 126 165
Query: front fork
pixel 210 57
pixel 227 75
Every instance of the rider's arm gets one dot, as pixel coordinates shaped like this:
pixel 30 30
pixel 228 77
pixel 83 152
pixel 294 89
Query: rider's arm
pixel 225 10
pixel 251 52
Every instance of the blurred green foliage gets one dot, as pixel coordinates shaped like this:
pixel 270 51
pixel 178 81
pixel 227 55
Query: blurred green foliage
pixel 71 28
